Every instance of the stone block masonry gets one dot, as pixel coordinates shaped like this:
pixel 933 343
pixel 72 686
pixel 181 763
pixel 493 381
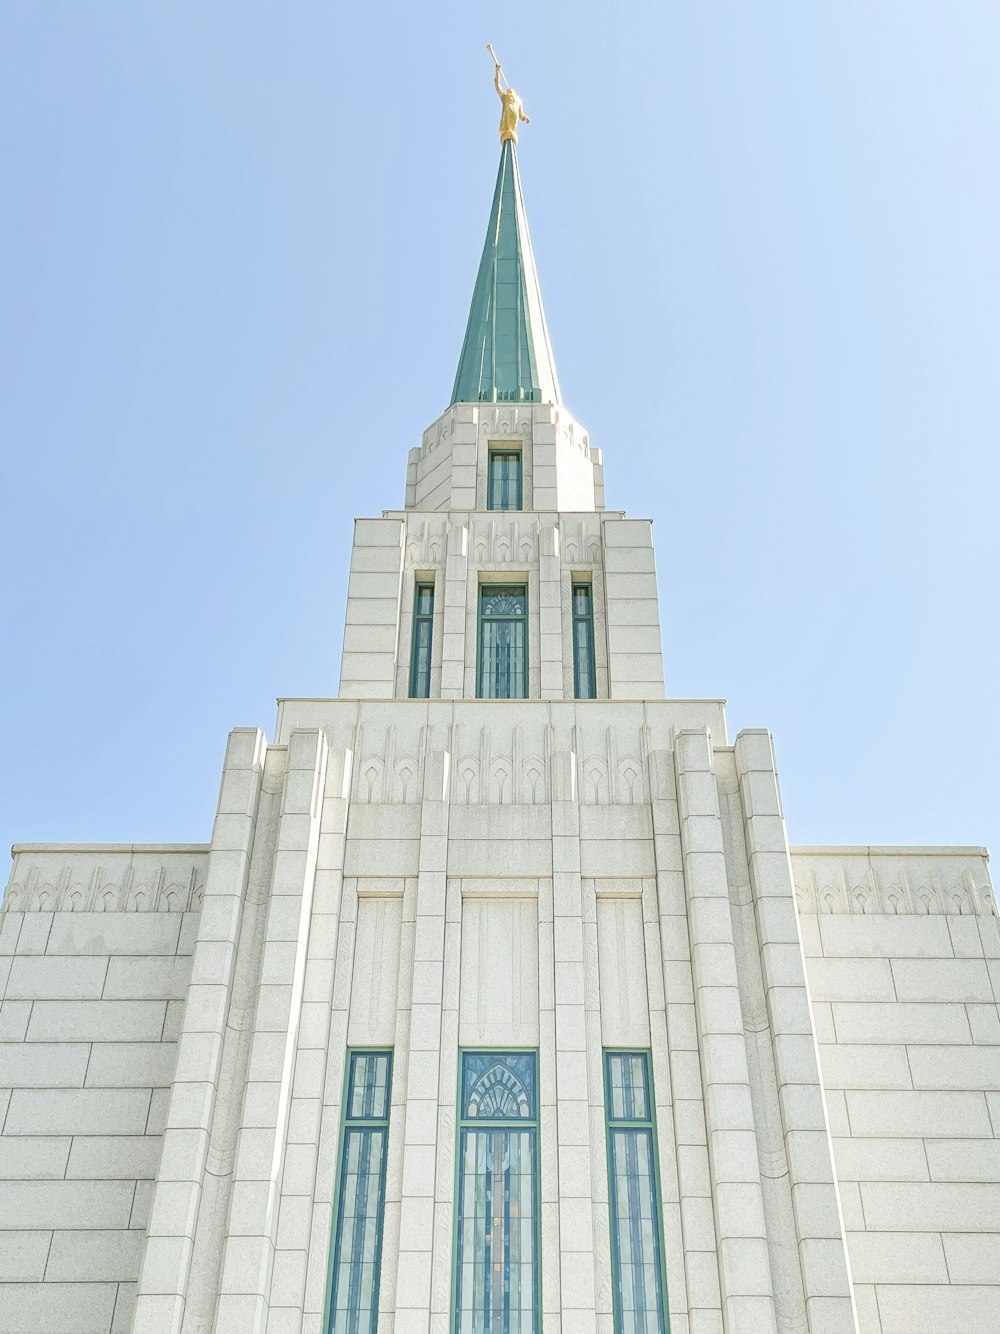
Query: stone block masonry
pixel 902 953
pixel 95 957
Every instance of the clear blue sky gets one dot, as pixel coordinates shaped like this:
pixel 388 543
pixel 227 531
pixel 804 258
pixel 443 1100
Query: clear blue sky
pixel 239 242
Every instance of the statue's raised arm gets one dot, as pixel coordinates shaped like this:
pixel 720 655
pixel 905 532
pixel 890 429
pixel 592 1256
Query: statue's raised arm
pixel 513 108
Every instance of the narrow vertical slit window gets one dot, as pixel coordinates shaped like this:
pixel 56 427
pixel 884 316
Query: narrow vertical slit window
pixel 497 1235
pixel 423 634
pixel 636 1231
pixel 584 675
pixel 357 1245
pixel 503 641
pixel 503 484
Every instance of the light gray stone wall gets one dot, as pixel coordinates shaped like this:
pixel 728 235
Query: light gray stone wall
pixel 459 552
pixel 89 1017
pixel 903 959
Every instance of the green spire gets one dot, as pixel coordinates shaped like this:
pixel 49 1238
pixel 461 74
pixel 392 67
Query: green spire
pixel 506 356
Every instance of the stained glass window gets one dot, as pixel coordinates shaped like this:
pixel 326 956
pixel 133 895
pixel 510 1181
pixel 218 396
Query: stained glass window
pixel 503 486
pixel 636 1247
pixel 503 641
pixel 497 1268
pixel 423 630
pixel 357 1241
pixel 584 676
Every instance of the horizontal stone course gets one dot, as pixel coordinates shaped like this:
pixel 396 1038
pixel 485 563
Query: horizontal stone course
pixel 924 1114
pixel 113 1157
pixel 941 980
pixel 96 1021
pixel 99 933
pixel 54 978
pixel 58 1308
pixel 900 1022
pixel 90 1256
pixel 147 978
pixel 921 1309
pixel 929 1206
pixel 43 1064
pixel 33 1158
pixel 22 1258
pixel 131 1064
pixel 77 1111
pixel 66 1204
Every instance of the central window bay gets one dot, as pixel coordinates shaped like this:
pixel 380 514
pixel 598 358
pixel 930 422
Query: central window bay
pixel 497 1270
pixel 503 641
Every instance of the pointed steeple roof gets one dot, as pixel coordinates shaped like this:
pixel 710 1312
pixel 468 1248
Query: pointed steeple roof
pixel 506 356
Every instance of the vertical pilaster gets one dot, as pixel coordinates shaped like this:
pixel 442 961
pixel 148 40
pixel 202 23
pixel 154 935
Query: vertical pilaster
pixel 550 649
pixel 601 1212
pixel 397 1113
pixel 456 579
pixel 447 1148
pixel 818 1224
pixel 247 1266
pixel 744 1268
pixel 177 1196
pixel 552 950
pixel 576 1197
pixel 328 1016
pixel 693 1295
pixel 427 1075
pixel 301 1262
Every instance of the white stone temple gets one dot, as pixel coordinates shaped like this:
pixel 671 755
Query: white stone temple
pixel 498 1002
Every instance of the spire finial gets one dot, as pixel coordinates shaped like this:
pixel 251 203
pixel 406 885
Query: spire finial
pixel 513 107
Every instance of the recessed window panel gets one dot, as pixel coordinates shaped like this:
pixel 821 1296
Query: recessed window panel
pixel 497 1233
pixel 503 641
pixel 503 483
pixel 357 1243
pixel 584 674
pixel 636 1239
pixel 423 634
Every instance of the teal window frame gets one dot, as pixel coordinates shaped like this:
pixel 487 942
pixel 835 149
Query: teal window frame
pixel 629 1126
pixel 504 486
pixel 422 639
pixel 494 679
pixel 475 1068
pixel 584 665
pixel 364 1123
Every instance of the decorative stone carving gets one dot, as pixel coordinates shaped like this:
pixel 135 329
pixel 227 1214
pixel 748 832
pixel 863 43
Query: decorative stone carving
pixel 904 881
pixel 106 878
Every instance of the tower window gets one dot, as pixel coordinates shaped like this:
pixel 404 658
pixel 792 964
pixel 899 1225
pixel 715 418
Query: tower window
pixel 423 633
pixel 503 486
pixel 497 1269
pixel 584 675
pixel 503 641
pixel 636 1234
pixel 357 1245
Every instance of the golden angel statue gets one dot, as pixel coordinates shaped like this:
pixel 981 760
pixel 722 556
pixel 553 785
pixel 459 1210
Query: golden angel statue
pixel 513 107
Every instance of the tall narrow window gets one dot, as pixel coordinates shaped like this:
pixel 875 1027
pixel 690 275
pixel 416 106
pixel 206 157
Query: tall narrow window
pixel 357 1242
pixel 636 1247
pixel 503 485
pixel 584 676
pixel 503 641
pixel 423 633
pixel 497 1268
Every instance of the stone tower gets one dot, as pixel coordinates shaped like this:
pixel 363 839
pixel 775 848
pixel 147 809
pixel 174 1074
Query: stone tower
pixel 486 1009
